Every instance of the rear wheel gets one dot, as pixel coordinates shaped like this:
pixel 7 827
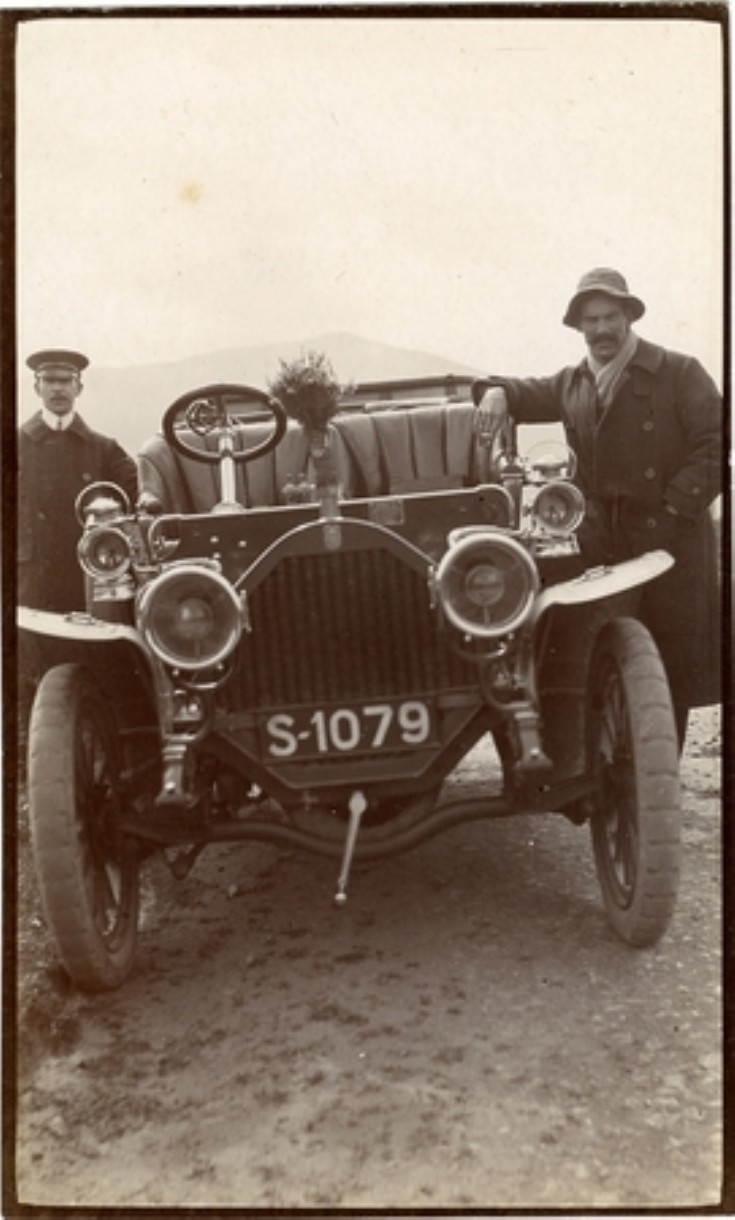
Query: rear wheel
pixel 87 872
pixel 633 752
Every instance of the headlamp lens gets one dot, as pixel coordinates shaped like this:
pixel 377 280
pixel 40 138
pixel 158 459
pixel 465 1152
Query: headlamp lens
pixel 484 584
pixel 487 583
pixel 195 619
pixel 191 617
pixel 559 507
pixel 104 552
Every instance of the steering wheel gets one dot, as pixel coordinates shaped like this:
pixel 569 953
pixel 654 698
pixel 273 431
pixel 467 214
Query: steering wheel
pixel 210 409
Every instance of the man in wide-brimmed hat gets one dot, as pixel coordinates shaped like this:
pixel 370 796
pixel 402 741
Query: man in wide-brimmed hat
pixel 646 426
pixel 59 455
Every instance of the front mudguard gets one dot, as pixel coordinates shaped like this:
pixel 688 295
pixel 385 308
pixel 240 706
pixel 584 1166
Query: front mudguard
pixel 566 621
pixel 113 653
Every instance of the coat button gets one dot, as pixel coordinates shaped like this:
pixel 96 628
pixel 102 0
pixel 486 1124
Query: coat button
pixel 649 473
pixel 651 522
pixel 648 426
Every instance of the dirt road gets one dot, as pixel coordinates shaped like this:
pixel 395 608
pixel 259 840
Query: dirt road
pixel 466 1032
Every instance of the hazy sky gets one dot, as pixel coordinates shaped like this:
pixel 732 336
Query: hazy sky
pixel 190 184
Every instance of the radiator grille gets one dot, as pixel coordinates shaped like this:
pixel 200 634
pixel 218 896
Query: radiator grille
pixel 344 626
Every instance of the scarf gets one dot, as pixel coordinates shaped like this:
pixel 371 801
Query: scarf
pixel 608 376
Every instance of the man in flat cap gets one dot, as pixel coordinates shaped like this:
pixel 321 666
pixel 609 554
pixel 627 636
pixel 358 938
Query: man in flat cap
pixel 646 425
pixel 58 455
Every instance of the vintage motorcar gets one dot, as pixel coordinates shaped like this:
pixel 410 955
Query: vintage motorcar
pixel 298 634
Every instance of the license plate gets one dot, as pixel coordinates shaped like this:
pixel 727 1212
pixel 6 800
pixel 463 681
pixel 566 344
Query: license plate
pixel 366 728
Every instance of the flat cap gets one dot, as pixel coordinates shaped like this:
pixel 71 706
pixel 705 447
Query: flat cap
pixel 56 357
pixel 611 284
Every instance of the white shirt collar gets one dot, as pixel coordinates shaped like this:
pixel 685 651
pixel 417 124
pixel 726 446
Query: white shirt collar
pixel 57 423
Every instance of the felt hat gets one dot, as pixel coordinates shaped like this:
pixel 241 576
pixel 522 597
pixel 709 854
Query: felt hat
pixel 608 282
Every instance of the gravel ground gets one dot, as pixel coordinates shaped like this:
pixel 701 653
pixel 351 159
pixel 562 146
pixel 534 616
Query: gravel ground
pixel 466 1033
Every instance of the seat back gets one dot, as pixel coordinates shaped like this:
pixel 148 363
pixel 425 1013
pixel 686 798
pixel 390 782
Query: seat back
pixel 403 450
pixel 411 449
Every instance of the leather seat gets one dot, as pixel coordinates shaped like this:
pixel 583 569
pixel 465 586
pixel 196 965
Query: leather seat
pixel 381 453
pixel 184 485
pixel 414 449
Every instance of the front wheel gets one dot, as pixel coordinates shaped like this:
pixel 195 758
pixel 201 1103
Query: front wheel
pixel 88 874
pixel 633 753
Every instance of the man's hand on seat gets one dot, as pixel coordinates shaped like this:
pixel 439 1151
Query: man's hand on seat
pixel 493 420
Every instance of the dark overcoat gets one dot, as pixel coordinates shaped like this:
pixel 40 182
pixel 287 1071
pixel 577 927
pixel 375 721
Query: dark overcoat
pixel 659 442
pixel 53 467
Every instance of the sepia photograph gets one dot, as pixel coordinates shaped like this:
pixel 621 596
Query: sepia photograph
pixel 364 494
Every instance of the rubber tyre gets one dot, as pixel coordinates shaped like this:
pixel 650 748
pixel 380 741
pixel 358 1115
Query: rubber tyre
pixel 633 752
pixel 88 876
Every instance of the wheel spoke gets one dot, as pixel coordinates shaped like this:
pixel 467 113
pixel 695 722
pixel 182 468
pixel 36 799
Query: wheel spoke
pixel 618 795
pixel 95 789
pixel 106 895
pixel 625 850
pixel 613 719
pixel 84 757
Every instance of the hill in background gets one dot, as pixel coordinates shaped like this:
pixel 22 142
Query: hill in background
pixel 128 403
